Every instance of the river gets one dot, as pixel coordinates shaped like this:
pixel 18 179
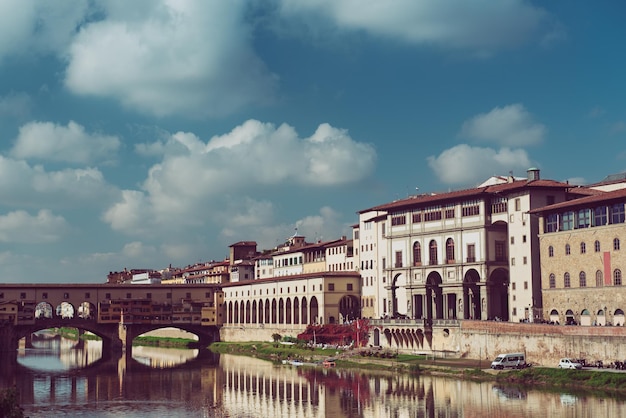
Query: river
pixel 57 379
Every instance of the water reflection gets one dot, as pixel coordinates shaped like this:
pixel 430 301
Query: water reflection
pixel 181 383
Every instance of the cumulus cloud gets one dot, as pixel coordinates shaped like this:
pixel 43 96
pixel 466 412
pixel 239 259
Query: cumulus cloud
pixel 32 26
pixel 477 25
pixel 236 170
pixel 22 227
pixel 164 58
pixel 467 165
pixel 70 144
pixel 510 126
pixel 22 185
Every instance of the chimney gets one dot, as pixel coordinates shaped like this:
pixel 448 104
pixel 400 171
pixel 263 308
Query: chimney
pixel 533 174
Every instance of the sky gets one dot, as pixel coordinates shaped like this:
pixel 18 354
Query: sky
pixel 153 133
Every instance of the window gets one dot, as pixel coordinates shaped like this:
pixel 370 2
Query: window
pixel 552 281
pixel 512 240
pixel 568 249
pixel 584 218
pixel 450 250
pixel 513 286
pixel 398 219
pixel 471 253
pixel 617 277
pixel 525 260
pixel 552 223
pixel 331 287
pixel 470 208
pixel 432 253
pixel 449 211
pixel 517 204
pixel 583 248
pixel 616 244
pixel 349 287
pixel 23 295
pixel 582 279
pixel 66 295
pixel 500 251
pixel 417 217
pixel 617 213
pixel 524 238
pixel 384 262
pixel 107 296
pixel 499 205
pixel 551 251
pixel 398 259
pixel 567 221
pixel 566 280
pixel 513 261
pixel 600 216
pixel 549 200
pixel 596 246
pixel 599 279
pixel 43 296
pixel 417 254
pixel 525 285
pixel 432 213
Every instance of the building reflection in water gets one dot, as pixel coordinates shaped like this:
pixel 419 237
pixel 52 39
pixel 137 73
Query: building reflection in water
pixel 212 385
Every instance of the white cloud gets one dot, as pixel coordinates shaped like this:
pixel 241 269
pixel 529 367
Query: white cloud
pixel 32 26
pixel 165 57
pixel 510 126
pixel 467 165
pixel 230 176
pixel 477 25
pixel 71 144
pixel 21 227
pixel 22 185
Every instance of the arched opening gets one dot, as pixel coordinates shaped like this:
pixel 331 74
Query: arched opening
pixel 398 296
pixel 274 312
pixel 44 310
pixel 304 310
pixel 570 319
pixel 296 311
pixel 498 295
pixel 268 318
pixel 434 297
pixel 86 310
pixel 417 254
pixel 254 312
pixel 618 317
pixel 248 312
pixel 229 314
pixel 288 311
pixel 349 308
pixel 236 312
pixel 65 310
pixel 315 311
pixel 281 311
pixel 554 316
pixel 470 302
pixel 585 317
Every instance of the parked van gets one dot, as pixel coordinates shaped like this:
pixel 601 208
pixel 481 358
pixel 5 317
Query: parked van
pixel 512 360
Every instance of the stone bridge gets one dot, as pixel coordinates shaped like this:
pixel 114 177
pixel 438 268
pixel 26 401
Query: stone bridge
pixel 115 313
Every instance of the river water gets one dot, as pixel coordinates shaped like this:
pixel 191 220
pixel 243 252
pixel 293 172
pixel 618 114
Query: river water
pixel 57 379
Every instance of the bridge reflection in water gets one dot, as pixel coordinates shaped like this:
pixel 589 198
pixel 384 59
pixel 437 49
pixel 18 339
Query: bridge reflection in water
pixel 213 385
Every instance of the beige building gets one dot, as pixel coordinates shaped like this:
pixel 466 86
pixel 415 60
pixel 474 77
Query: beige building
pixel 583 260
pixel 469 254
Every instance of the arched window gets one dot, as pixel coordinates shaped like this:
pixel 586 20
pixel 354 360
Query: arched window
pixel 599 279
pixel 617 277
pixel 567 249
pixel 597 246
pixel 417 253
pixel 582 279
pixel 551 251
pixel 566 280
pixel 616 244
pixel 432 253
pixel 450 250
pixel 583 248
pixel 552 281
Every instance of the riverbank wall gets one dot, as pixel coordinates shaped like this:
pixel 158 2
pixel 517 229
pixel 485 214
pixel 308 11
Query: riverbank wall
pixel 543 344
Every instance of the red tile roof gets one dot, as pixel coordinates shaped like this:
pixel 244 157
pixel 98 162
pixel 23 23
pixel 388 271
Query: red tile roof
pixel 593 200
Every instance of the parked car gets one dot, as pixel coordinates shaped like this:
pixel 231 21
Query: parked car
pixel 567 363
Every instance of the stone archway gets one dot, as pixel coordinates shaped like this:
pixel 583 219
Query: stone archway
pixel 498 295
pixel 471 296
pixel 349 308
pixel 434 297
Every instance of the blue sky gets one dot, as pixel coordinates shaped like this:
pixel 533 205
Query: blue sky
pixel 148 133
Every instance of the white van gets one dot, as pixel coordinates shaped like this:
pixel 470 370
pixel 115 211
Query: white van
pixel 513 360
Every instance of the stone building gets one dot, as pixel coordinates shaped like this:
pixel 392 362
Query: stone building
pixel 466 254
pixel 582 258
